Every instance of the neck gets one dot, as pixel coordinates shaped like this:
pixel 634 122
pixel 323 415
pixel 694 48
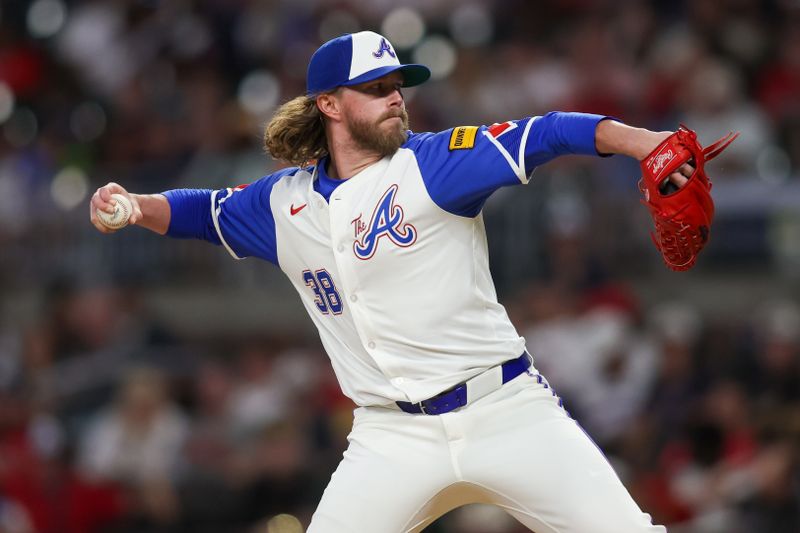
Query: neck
pixel 347 159
pixel 345 164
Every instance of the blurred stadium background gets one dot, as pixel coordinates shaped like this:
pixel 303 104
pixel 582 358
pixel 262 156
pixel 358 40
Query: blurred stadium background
pixel 152 385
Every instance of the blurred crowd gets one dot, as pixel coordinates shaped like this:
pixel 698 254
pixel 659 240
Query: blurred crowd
pixel 699 416
pixel 110 423
pixel 161 94
pixel 113 421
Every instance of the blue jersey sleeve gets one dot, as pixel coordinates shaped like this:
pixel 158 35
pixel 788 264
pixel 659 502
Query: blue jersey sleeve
pixel 190 215
pixel 238 218
pixel 463 166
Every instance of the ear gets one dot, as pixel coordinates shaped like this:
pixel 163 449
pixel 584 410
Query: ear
pixel 329 105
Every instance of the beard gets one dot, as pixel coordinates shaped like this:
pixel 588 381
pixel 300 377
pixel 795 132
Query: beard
pixel 370 136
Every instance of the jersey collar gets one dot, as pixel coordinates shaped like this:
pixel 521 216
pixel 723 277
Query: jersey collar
pixel 322 183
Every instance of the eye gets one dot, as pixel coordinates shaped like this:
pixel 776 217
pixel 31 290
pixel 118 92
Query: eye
pixel 381 88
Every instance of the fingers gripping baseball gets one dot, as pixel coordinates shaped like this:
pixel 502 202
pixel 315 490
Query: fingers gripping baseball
pixel 105 213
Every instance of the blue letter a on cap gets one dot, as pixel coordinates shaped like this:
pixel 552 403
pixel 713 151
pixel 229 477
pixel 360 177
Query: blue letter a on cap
pixel 384 47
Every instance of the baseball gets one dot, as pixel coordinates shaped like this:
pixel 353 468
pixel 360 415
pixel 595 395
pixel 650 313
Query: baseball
pixel 122 212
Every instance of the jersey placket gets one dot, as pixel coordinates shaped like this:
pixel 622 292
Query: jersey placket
pixel 341 213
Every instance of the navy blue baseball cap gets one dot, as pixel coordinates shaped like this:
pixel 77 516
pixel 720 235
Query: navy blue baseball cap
pixel 356 58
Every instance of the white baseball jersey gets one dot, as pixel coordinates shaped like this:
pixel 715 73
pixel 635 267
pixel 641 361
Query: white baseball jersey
pixel 392 264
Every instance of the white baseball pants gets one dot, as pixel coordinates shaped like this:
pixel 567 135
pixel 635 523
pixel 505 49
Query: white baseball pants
pixel 515 448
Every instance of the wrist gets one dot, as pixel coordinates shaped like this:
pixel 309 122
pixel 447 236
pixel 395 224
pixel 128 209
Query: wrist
pixel 154 211
pixel 647 141
pixel 613 137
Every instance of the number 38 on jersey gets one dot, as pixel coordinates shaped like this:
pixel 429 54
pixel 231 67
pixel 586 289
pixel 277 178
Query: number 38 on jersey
pixel 326 297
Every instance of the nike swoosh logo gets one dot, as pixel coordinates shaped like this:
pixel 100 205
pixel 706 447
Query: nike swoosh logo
pixel 294 210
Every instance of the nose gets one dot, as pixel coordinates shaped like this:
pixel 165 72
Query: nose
pixel 396 98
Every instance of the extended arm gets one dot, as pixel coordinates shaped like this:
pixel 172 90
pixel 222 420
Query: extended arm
pixel 151 211
pixel 241 218
pixel 612 137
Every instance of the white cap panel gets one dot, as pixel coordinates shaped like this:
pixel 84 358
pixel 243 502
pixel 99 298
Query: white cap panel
pixel 370 51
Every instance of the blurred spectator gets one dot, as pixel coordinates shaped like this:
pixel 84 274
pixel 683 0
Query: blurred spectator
pixel 139 438
pixel 680 382
pixel 624 372
pixel 709 466
pixel 84 320
pixel 712 100
pixel 138 443
pixel 774 372
pixel 210 445
pixel 278 474
pixel 45 492
pixel 13 518
pixel 778 87
pixel 210 454
pixel 268 382
pixel 85 338
pixel 260 397
pixel 597 363
pixel 774 506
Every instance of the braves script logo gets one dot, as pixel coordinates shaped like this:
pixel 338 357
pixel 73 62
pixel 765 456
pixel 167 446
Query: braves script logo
pixel 386 221
pixel 384 48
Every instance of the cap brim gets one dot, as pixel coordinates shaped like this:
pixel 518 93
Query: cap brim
pixel 413 74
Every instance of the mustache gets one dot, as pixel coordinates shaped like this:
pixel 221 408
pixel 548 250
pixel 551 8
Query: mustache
pixel 403 114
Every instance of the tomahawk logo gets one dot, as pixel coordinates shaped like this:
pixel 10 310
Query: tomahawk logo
pixel 385 47
pixel 386 221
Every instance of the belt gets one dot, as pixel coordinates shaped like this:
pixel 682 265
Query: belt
pixel 470 390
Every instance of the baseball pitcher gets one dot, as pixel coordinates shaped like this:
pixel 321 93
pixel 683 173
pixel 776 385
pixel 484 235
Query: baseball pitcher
pixel 380 231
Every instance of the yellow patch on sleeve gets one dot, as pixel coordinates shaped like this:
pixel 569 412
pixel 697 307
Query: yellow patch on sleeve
pixel 463 137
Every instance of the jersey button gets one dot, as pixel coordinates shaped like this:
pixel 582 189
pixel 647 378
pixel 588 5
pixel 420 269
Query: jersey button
pixel 353 298
pixel 340 247
pixel 371 345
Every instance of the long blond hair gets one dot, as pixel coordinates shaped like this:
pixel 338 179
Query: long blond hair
pixel 296 132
